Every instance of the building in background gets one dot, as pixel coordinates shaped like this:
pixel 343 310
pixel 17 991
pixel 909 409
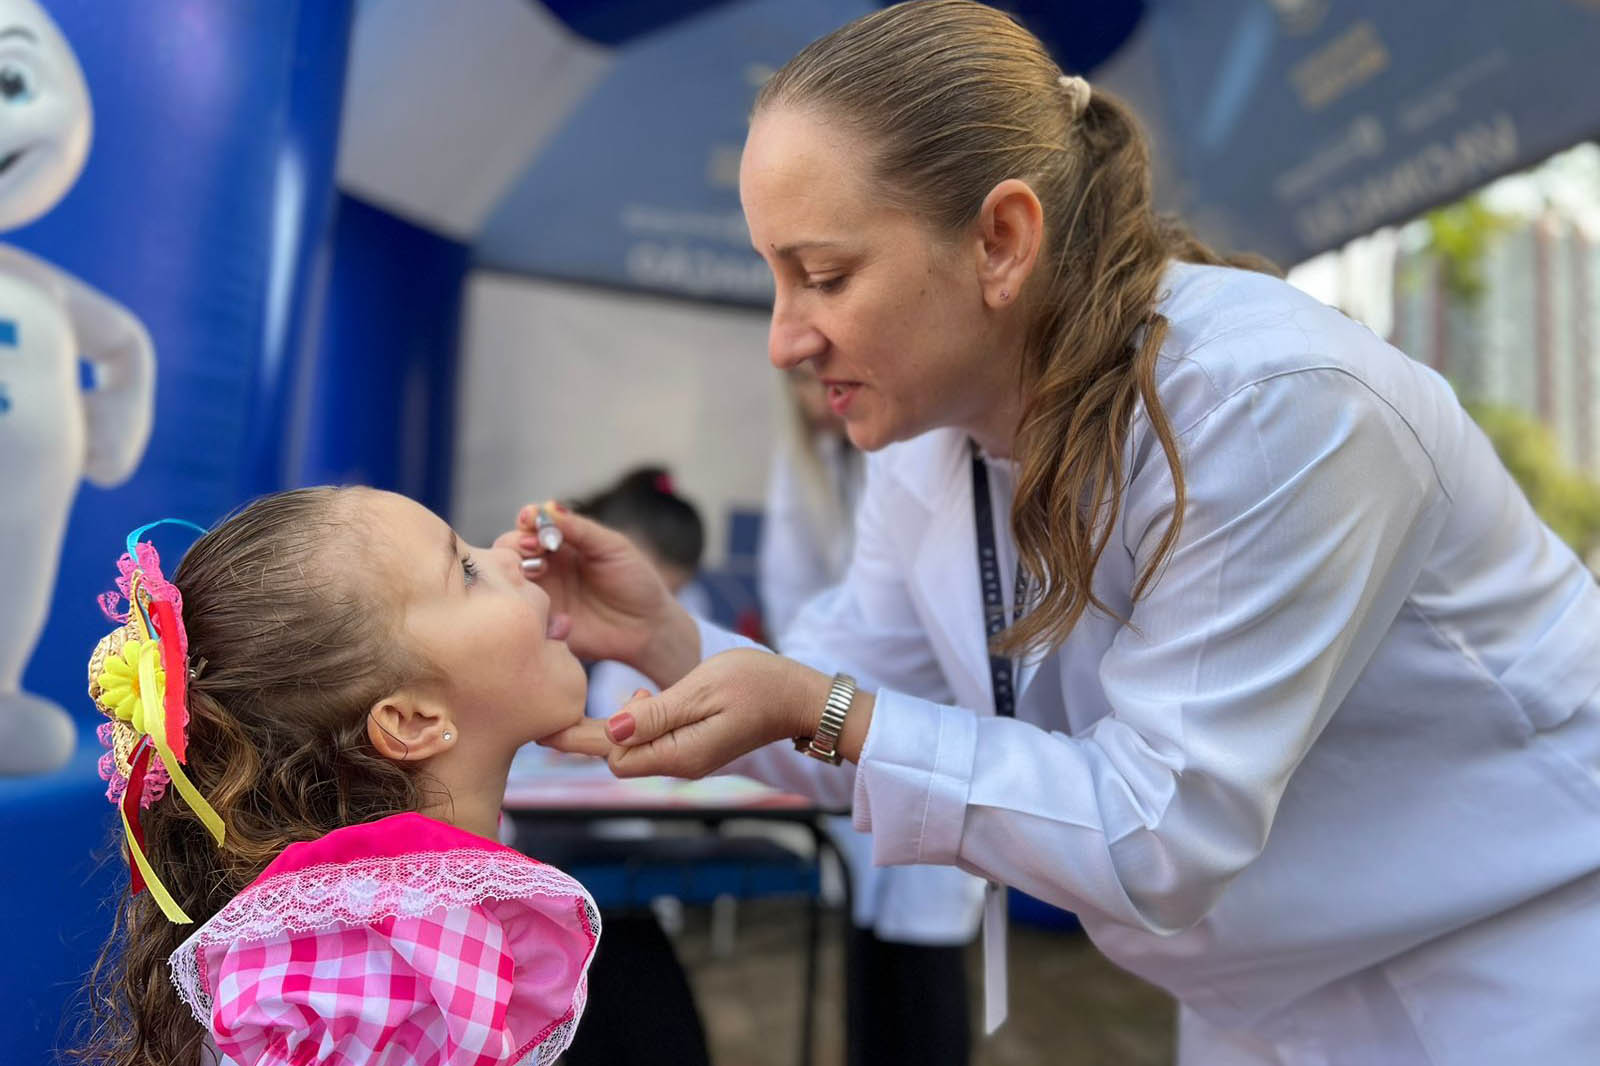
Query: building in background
pixel 1523 334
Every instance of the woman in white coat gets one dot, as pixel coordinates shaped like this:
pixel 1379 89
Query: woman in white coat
pixel 1306 699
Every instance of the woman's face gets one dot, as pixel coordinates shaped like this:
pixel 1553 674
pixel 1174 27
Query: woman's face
pixel 890 317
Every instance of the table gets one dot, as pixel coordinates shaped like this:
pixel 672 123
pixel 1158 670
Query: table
pixel 549 788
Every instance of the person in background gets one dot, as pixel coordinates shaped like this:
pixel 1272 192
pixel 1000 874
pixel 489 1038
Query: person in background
pixel 812 489
pixel 907 987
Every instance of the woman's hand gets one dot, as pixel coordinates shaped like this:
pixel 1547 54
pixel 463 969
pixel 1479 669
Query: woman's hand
pixel 614 601
pixel 729 705
pixel 587 737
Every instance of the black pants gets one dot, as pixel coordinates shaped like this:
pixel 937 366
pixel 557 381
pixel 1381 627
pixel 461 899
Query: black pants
pixel 641 1011
pixel 906 1003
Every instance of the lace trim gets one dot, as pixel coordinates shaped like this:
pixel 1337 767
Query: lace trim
pixel 365 891
pixel 550 1046
pixel 156 778
pixel 154 583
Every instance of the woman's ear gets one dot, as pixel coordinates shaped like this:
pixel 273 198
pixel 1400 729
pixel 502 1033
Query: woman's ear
pixel 405 728
pixel 1010 233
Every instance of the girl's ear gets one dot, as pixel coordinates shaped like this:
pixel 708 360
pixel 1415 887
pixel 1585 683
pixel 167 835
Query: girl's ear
pixel 406 728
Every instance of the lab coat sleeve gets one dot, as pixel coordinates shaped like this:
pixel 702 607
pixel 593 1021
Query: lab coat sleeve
pixel 1310 505
pixel 867 627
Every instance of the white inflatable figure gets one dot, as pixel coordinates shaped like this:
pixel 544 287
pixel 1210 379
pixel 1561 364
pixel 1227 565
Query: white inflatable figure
pixel 53 432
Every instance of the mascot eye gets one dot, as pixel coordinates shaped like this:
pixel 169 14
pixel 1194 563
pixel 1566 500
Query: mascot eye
pixel 15 85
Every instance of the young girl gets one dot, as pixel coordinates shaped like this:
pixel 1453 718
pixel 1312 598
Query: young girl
pixel 333 685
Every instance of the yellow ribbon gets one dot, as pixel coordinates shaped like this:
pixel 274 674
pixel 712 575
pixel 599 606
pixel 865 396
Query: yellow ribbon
pixel 158 891
pixel 153 680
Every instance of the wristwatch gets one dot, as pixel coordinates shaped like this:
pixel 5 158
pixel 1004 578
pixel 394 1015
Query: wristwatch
pixel 824 743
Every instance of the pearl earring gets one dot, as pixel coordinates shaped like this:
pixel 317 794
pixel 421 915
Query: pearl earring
pixel 449 736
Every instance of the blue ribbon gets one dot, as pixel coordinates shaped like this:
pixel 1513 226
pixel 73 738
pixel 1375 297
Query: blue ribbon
pixel 133 553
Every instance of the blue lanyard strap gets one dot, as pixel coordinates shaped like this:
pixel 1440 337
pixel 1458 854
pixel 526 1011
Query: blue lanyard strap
pixel 1002 671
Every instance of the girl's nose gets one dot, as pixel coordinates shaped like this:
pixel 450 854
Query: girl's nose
pixel 507 562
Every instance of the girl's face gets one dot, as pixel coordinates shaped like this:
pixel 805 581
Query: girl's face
pixel 891 318
pixel 498 666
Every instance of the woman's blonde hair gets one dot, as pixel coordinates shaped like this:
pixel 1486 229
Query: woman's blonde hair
pixel 951 98
pixel 296 648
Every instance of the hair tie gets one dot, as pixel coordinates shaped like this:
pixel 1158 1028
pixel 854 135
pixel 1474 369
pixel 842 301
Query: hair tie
pixel 1078 93
pixel 664 484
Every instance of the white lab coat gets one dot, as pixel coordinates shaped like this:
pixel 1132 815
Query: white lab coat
pixel 924 905
pixel 1337 787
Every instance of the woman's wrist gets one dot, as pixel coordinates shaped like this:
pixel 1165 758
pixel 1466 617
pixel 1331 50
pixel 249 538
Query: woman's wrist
pixel 673 648
pixel 811 697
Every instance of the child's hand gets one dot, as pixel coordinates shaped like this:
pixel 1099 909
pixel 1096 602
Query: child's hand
pixel 616 604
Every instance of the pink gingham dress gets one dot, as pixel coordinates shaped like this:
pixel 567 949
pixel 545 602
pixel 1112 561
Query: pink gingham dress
pixel 403 942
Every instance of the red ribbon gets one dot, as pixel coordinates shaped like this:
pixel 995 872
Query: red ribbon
pixel 139 761
pixel 177 713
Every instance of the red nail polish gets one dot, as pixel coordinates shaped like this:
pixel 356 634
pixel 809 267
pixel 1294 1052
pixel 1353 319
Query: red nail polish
pixel 620 726
pixel 559 506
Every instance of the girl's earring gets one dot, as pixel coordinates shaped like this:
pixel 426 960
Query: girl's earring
pixel 449 736
pixel 1004 295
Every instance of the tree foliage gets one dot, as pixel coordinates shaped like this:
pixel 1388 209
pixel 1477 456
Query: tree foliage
pixel 1459 235
pixel 1568 501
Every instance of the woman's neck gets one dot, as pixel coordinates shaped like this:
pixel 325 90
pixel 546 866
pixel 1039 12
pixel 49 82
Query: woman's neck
pixel 998 392
pixel 996 428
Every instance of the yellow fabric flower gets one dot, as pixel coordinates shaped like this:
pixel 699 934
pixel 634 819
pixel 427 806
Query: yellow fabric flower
pixel 131 681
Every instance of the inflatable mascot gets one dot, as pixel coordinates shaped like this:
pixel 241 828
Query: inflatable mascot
pixel 54 430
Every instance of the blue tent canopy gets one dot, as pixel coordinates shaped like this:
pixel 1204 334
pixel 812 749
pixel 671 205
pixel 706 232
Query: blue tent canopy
pixel 1281 126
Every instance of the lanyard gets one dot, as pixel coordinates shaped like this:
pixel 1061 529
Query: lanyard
pixel 1002 673
pixel 1002 680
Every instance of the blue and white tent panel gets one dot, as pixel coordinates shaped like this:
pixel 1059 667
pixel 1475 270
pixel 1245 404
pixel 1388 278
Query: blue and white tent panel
pixel 599 141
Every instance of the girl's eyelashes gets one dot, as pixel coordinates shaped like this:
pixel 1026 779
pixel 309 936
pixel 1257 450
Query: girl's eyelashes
pixel 469 570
